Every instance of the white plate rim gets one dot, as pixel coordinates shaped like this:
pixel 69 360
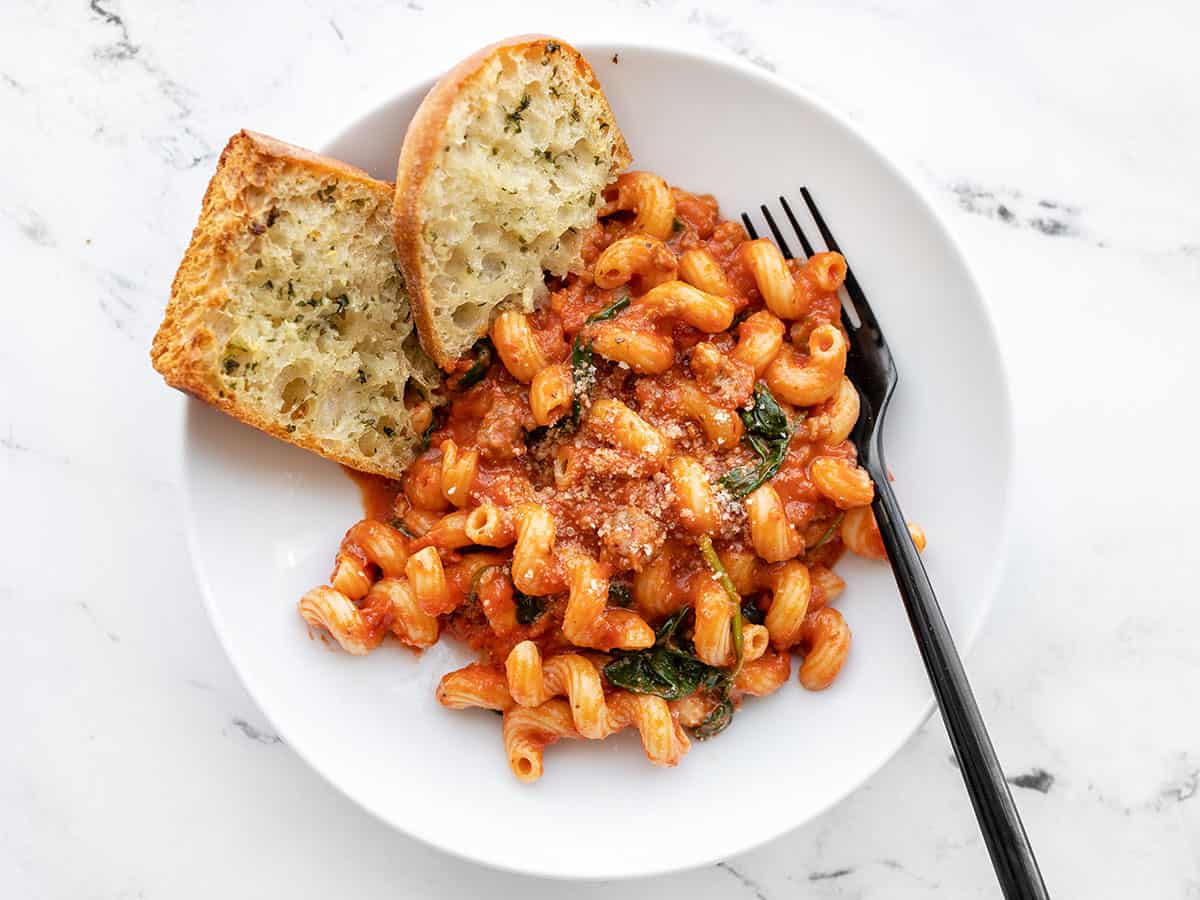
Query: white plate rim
pixel 971 631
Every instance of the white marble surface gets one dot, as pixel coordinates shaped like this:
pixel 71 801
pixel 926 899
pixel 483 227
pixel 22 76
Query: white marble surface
pixel 1059 139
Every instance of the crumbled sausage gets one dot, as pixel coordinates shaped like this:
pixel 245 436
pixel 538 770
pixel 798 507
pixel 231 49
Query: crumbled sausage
pixel 631 538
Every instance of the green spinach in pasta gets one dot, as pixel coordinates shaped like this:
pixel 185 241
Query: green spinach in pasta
pixel 669 669
pixel 768 433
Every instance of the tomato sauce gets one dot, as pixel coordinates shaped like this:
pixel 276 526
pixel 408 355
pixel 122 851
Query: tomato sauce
pixel 378 493
pixel 614 505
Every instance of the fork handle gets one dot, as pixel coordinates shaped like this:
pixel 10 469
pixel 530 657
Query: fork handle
pixel 1007 843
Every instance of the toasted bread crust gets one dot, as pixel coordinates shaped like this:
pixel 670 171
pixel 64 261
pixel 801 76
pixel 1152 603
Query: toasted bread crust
pixel 246 164
pixel 417 159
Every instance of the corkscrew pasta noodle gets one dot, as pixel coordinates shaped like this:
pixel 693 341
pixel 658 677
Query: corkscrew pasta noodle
pixel 640 255
pixel 809 382
pixel 699 269
pixel 649 197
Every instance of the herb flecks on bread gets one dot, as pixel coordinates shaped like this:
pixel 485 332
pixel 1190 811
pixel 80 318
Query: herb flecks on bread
pixel 289 310
pixel 502 171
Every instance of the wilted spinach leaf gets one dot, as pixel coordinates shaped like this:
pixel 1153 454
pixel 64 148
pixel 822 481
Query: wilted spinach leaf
pixel 766 422
pixel 479 368
pixel 583 375
pixel 609 312
pixel 669 669
pixel 829 532
pixel 735 622
pixel 583 369
pixel 473 592
pixel 539 434
pixel 620 595
pixel 398 523
pixel 752 612
pixel 439 415
pixel 529 609
pixel 768 433
pixel 424 445
pixel 716 721
pixel 722 714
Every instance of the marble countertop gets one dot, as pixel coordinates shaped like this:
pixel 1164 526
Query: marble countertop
pixel 1059 140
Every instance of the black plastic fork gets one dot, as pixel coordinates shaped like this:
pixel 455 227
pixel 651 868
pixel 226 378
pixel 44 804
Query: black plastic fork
pixel 870 367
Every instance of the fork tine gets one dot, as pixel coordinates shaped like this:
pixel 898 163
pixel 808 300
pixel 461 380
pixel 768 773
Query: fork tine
pixel 776 233
pixel 830 241
pixel 848 322
pixel 749 227
pixel 808 248
pixel 857 298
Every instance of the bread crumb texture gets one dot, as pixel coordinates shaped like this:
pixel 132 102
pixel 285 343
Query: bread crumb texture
pixel 289 310
pixel 528 147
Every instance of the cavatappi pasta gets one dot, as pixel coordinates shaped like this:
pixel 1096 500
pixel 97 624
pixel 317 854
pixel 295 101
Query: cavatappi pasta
pixel 633 515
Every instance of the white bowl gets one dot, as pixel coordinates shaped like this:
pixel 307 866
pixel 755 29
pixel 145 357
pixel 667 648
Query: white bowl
pixel 265 521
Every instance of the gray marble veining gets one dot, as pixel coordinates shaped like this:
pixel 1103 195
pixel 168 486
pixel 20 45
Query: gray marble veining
pixel 1057 139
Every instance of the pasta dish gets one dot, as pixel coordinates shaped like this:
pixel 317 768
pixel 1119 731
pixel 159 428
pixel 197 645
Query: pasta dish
pixel 631 503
